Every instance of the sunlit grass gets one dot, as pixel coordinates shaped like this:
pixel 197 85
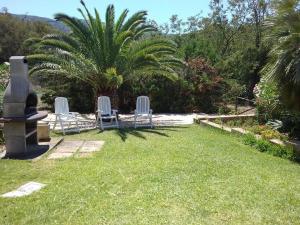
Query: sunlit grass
pixel 182 175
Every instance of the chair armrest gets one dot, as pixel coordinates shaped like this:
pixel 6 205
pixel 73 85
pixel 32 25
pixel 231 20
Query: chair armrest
pixel 114 111
pixel 99 112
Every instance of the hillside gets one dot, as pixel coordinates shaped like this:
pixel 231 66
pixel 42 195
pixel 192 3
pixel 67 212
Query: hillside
pixel 56 24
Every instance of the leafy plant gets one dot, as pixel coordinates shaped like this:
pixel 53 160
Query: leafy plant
pixel 275 124
pixel 283 62
pixel 205 84
pixel 267 100
pixel 244 123
pixel 14 31
pixel 271 134
pixel 267 132
pixel 265 146
pixel 105 54
pixel 4 78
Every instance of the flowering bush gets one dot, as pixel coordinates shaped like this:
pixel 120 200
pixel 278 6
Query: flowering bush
pixel 267 132
pixel 198 88
pixel 267 99
pixel 206 85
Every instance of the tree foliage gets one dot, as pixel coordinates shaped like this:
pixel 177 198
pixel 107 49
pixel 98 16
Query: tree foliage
pixel 283 64
pixel 14 32
pixel 105 54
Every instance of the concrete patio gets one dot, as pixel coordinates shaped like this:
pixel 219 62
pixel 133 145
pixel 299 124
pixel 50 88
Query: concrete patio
pixel 87 121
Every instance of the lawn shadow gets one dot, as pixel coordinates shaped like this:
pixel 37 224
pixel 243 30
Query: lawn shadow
pixel 72 132
pixel 123 133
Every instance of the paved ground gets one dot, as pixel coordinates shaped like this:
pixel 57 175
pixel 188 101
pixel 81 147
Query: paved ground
pixel 79 148
pixel 126 120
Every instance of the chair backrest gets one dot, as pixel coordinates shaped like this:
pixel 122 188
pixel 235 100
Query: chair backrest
pixel 61 105
pixel 104 105
pixel 143 105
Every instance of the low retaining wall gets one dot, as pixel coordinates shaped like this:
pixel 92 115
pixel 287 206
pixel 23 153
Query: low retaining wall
pixel 240 131
pixel 224 117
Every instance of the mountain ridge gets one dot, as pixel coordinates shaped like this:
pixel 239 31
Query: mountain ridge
pixel 56 24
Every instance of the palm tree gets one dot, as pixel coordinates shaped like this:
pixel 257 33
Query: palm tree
pixel 283 64
pixel 104 54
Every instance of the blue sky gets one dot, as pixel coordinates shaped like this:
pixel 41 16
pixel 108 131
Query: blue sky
pixel 160 10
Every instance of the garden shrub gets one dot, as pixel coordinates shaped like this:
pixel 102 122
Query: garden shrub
pixel 79 94
pixel 1 137
pixel 234 90
pixel 245 123
pixel 223 109
pixel 270 107
pixel 198 88
pixel 291 124
pixel 4 74
pixel 267 132
pixel 271 134
pixel 263 145
pixel 249 139
pixel 267 100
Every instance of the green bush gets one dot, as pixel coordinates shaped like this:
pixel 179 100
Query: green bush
pixel 267 100
pixel 198 88
pixel 249 139
pixel 263 145
pixel 245 123
pixel 267 132
pixel 270 107
pixel 79 94
pixel 1 137
pixel 4 74
pixel 14 31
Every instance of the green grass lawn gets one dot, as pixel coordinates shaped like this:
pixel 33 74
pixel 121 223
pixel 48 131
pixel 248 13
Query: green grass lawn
pixel 182 175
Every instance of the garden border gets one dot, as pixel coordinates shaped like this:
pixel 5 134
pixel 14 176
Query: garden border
pixel 208 121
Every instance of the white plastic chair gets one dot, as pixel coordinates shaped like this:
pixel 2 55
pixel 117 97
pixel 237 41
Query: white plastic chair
pixel 143 110
pixel 106 113
pixel 63 115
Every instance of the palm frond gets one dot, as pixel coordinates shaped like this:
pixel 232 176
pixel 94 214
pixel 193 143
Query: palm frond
pixel 104 54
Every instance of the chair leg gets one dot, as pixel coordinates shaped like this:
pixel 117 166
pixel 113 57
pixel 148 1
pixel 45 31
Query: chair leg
pixel 101 124
pixel 62 126
pixel 150 118
pixel 117 122
pixel 55 122
pixel 135 121
pixel 78 129
pixel 96 123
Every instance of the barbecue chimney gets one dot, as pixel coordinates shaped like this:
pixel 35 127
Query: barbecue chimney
pixel 20 113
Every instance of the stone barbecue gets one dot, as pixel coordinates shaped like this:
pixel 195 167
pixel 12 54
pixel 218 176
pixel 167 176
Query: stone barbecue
pixel 20 113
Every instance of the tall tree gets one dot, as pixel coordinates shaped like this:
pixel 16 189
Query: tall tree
pixel 14 32
pixel 107 53
pixel 284 59
pixel 251 11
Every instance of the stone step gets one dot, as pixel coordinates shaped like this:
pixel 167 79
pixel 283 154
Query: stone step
pixel 81 148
